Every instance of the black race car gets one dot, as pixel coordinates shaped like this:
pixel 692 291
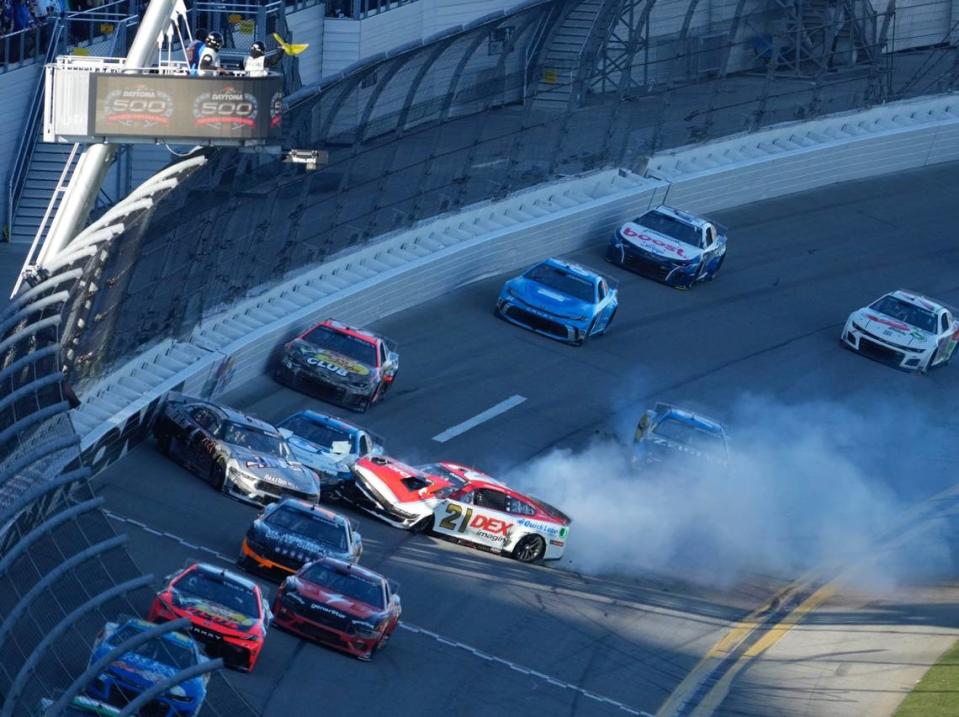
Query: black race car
pixel 290 533
pixel 340 364
pixel 240 455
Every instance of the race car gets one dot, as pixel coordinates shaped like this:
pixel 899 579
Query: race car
pixel 328 446
pixel 146 665
pixel 340 364
pixel 671 246
pixel 904 329
pixel 229 614
pixel 238 454
pixel 461 504
pixel 680 438
pixel 561 300
pixel 80 706
pixel 344 606
pixel 290 533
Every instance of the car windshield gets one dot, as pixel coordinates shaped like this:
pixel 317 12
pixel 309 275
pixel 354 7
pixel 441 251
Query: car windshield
pixel 456 482
pixel 162 650
pixel 352 585
pixel 321 434
pixel 671 227
pixel 690 436
pixel 341 343
pixel 555 278
pixel 906 312
pixel 311 526
pixel 219 590
pixel 255 440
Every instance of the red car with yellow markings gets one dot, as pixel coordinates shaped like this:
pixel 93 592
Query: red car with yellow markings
pixel 462 504
pixel 229 614
pixel 341 605
pixel 339 363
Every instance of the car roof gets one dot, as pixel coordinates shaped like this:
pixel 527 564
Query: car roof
pixel 357 333
pixel 315 511
pixel 223 572
pixel 233 415
pixel 917 299
pixel 325 420
pixel 351 568
pixel 682 216
pixel 682 415
pixel 577 270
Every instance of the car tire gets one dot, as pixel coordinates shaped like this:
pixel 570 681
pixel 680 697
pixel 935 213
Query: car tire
pixel 218 474
pixel 530 549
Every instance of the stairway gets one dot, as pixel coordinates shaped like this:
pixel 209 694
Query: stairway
pixel 46 165
pixel 563 55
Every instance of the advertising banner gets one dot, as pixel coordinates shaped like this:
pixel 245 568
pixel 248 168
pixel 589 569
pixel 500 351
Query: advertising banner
pixel 184 107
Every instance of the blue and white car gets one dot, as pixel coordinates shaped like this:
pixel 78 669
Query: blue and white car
pixel 671 246
pixel 561 300
pixel 146 665
pixel 680 439
pixel 328 446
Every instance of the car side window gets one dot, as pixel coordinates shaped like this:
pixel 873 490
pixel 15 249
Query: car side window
pixel 944 322
pixel 382 353
pixel 365 446
pixel 203 417
pixel 602 289
pixel 519 507
pixel 489 498
pixel 710 237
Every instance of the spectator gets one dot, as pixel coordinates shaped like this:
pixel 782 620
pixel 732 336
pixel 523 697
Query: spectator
pixel 196 47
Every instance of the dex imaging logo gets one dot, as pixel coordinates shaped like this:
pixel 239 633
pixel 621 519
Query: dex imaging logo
pixel 138 105
pixel 228 108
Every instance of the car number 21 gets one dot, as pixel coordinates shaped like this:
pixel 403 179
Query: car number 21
pixel 453 512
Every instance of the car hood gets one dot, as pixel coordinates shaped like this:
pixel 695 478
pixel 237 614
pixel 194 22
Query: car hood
pixel 661 245
pixel 893 330
pixel 547 299
pixel 276 470
pixel 137 668
pixel 331 364
pixel 336 603
pixel 213 612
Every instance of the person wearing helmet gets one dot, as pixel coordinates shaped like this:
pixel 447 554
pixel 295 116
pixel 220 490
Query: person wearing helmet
pixel 208 64
pixel 258 62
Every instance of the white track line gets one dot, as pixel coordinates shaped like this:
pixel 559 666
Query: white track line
pixel 501 407
pixel 419 630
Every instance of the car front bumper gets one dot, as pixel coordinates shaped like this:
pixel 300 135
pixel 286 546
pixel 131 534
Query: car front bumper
pixel 290 374
pixel 541 322
pixel 878 349
pixel 651 266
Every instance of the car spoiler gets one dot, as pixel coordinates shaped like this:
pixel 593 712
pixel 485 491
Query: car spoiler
pixel 554 511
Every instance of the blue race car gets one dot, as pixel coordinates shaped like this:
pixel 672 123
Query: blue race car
pixel 680 439
pixel 146 665
pixel 560 300
pixel 328 446
pixel 671 246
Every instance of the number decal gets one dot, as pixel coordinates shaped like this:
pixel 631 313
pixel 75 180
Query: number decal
pixel 453 511
pixel 466 520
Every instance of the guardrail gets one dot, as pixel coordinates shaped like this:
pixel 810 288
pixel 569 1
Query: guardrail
pixel 447 252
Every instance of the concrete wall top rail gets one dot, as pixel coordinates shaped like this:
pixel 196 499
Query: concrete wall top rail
pixel 437 256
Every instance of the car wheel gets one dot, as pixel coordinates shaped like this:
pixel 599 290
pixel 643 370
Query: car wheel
pixel 218 474
pixel 529 549
pixel 589 332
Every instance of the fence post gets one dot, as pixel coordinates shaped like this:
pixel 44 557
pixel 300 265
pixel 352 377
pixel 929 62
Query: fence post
pixel 261 23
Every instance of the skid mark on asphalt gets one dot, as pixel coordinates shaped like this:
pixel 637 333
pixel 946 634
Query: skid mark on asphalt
pixel 561 684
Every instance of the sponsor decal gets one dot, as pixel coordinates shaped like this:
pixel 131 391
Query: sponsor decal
pixel 139 105
pixel 217 613
pixel 557 543
pixel 458 521
pixel 276 109
pixel 494 526
pixel 891 323
pixel 339 365
pixel 545 528
pixel 668 246
pixel 225 108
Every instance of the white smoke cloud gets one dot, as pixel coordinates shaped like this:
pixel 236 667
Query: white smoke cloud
pixel 809 485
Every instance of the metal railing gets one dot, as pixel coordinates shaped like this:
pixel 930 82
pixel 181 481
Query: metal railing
pixel 359 9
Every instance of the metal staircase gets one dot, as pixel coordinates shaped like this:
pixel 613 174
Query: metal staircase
pixel 562 60
pixel 50 169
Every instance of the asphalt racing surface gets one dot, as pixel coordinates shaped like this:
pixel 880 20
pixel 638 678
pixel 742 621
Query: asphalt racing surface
pixel 602 633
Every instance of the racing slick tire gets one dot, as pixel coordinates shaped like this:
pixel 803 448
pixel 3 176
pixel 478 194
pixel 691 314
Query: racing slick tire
pixel 218 474
pixel 529 549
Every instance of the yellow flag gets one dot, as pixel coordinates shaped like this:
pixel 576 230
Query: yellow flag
pixel 289 49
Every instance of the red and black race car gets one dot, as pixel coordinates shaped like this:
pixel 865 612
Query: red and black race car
pixel 461 504
pixel 230 616
pixel 341 605
pixel 339 363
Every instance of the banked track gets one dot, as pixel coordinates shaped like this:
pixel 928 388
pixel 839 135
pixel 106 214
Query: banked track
pixel 484 634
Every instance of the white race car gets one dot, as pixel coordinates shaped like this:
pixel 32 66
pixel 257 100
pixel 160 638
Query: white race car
pixel 461 504
pixel 904 329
